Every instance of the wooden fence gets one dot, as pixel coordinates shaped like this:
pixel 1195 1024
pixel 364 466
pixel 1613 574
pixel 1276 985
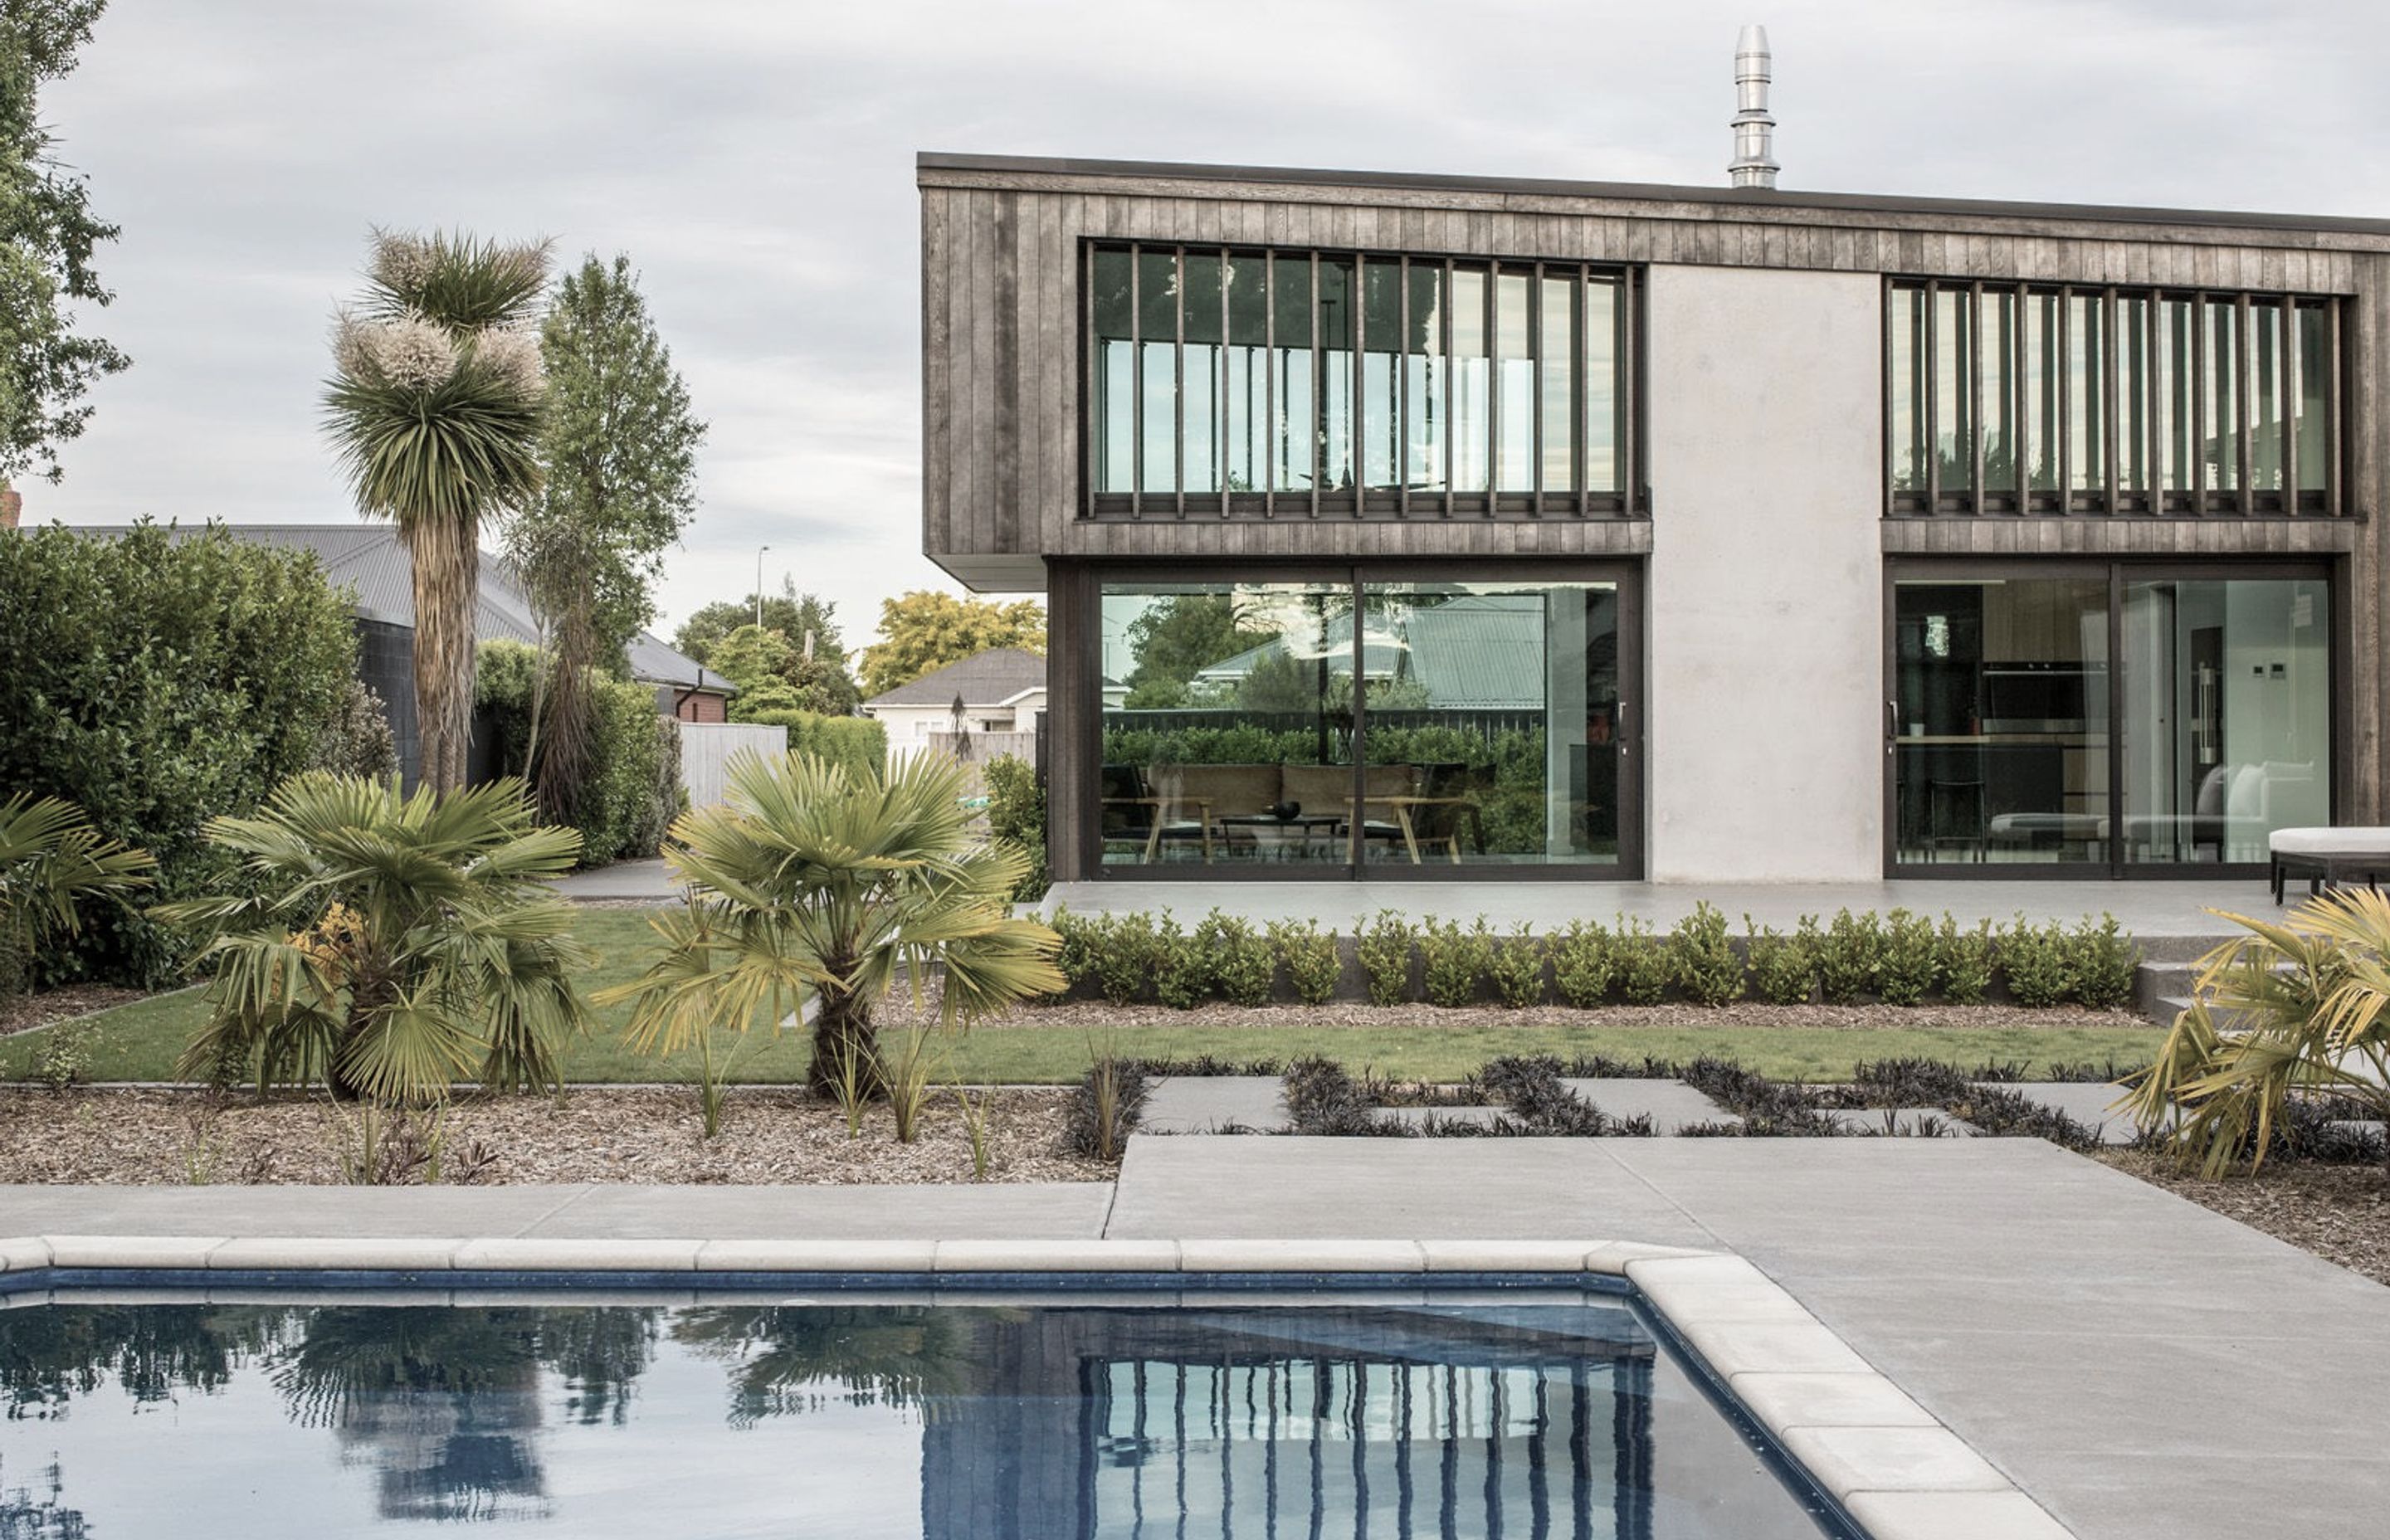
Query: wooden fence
pixel 706 748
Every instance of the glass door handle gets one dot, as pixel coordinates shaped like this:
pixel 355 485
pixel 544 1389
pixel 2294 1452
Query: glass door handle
pixel 1891 725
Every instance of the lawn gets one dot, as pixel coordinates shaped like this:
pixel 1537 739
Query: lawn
pixel 140 1041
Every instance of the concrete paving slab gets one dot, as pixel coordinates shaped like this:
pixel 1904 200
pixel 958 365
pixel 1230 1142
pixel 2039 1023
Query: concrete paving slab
pixel 2088 1104
pixel 1200 1104
pixel 228 1209
pixel 1954 1516
pixel 648 880
pixel 1670 1104
pixel 1473 1189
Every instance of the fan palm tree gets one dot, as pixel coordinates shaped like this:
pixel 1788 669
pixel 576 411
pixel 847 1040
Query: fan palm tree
pixel 50 859
pixel 434 405
pixel 809 881
pixel 2296 1009
pixel 389 945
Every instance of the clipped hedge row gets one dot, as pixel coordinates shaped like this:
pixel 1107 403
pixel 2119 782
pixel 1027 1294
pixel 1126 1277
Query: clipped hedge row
pixel 157 680
pixel 1901 959
pixel 856 744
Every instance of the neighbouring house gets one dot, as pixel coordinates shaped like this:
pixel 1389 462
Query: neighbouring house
pixel 1001 691
pixel 1715 534
pixel 374 565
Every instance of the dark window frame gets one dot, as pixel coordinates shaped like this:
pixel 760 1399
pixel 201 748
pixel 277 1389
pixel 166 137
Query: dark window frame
pixel 1631 499
pixel 2107 495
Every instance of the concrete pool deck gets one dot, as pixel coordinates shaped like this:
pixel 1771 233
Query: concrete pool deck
pixel 2140 1367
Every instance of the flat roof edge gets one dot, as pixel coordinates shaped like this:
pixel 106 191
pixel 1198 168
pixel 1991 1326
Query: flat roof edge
pixel 1644 192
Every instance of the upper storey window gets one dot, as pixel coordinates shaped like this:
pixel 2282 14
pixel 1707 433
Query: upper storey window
pixel 1292 384
pixel 2027 398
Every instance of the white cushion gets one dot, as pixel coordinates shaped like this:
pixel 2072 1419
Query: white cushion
pixel 2367 839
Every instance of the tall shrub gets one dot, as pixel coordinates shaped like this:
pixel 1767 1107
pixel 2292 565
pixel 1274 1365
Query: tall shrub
pixel 158 683
pixel 630 785
pixel 1016 811
pixel 1706 968
pixel 857 745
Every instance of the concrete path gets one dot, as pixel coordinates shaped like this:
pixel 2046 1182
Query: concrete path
pixel 1199 1104
pixel 2145 1368
pixel 1670 1104
pixel 648 881
pixel 2091 1104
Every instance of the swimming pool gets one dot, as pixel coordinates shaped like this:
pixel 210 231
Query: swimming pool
pixel 1548 1412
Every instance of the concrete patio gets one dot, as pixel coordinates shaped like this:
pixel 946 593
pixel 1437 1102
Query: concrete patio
pixel 2143 1369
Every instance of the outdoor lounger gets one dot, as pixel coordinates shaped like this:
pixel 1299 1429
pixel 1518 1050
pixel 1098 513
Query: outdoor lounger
pixel 2329 856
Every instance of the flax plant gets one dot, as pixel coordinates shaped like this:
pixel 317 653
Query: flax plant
pixel 808 880
pixel 434 408
pixel 2292 1009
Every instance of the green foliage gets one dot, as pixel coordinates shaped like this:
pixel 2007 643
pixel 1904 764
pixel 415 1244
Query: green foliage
pixel 51 860
pixel 1181 635
pixel 1783 968
pixel 46 260
pixel 158 683
pixel 387 944
pixel 357 741
pixel 773 676
pixel 855 744
pixel 827 684
pixel 1310 958
pixel 1911 959
pixel 631 789
pixel 1016 811
pixel 1083 942
pixel 2101 962
pixel 1386 944
pixel 925 630
pixel 619 442
pixel 1518 968
pixel 1453 961
pixel 1966 961
pixel 809 882
pixel 1182 974
pixel 1642 962
pixel 1850 960
pixel 2307 1000
pixel 1702 957
pixel 1585 963
pixel 1128 959
pixel 1240 958
pixel 2037 962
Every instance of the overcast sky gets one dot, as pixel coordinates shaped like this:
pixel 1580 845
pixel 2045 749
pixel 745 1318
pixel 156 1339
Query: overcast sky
pixel 756 162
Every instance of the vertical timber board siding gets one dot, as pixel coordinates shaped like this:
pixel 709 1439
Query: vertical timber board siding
pixel 937 396
pixel 1072 737
pixel 2365 752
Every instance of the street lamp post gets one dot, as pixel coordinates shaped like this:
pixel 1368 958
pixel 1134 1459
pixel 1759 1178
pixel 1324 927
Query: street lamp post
pixel 759 585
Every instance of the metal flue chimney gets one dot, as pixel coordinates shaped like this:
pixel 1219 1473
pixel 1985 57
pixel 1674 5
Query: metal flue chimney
pixel 1754 131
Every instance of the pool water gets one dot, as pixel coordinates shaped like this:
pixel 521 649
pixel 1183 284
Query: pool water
pixel 941 1422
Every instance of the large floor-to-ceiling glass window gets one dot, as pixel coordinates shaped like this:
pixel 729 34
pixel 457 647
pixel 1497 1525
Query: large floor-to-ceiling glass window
pixel 2106 717
pixel 1362 721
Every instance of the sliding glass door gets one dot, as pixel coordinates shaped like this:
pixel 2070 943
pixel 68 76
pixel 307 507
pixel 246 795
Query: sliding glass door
pixel 1369 721
pixel 2100 718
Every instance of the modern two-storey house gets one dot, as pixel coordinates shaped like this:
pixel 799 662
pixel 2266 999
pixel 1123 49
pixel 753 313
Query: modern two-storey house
pixel 1465 526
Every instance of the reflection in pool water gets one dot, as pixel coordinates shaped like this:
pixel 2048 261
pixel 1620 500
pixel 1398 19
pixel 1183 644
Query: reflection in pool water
pixel 938 1421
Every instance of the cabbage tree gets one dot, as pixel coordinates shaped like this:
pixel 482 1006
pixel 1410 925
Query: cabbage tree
pixel 389 945
pixel 808 883
pixel 434 407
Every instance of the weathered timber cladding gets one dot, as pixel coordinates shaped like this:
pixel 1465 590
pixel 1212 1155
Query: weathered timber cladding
pixel 1003 375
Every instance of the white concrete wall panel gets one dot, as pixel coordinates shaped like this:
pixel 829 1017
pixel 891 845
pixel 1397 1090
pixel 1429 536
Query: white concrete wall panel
pixel 1766 735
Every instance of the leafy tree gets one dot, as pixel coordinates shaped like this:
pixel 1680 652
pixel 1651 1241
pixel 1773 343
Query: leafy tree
pixel 389 945
pixel 1177 638
pixel 774 674
pixel 434 407
pixel 620 448
pixel 45 260
pixel 821 684
pixel 809 880
pixel 926 630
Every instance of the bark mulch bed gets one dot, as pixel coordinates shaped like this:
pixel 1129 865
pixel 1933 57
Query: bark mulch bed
pixel 24 1012
pixel 2340 1213
pixel 635 1135
pixel 1097 1015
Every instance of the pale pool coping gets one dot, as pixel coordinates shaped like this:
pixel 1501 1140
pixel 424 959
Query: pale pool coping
pixel 1895 1467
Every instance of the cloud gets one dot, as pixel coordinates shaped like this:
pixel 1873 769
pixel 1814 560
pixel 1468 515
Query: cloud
pixel 755 160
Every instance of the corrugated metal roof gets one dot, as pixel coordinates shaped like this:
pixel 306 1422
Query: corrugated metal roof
pixel 370 562
pixel 986 678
